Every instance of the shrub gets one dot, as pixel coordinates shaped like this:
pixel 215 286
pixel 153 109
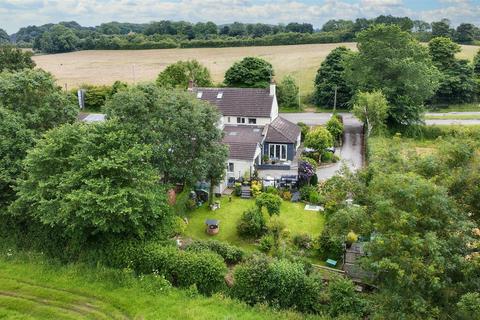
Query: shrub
pixel 266 243
pixel 270 201
pixel 352 237
pixel 327 157
pixel 314 180
pixel 252 224
pixel 305 192
pixel 287 195
pixel 272 190
pixel 183 269
pixel 278 283
pixel 303 129
pixel 229 253
pixel 238 189
pixel 344 300
pixel 303 241
pixel 314 197
pixel 310 160
pixel 335 127
pixel 256 188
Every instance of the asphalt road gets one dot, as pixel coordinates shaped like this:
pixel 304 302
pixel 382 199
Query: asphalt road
pixel 351 151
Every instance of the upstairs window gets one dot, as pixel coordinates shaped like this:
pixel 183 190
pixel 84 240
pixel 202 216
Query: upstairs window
pixel 220 95
pixel 252 121
pixel 199 94
pixel 240 120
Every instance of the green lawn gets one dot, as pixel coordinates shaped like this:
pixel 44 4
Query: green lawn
pixel 296 219
pixel 454 117
pixel 33 288
pixel 456 108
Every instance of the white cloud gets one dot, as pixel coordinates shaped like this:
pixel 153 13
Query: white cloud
pixel 17 13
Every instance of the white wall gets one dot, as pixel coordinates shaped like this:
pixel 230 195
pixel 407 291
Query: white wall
pixel 233 121
pixel 274 113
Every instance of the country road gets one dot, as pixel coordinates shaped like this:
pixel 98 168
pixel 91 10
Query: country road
pixel 351 151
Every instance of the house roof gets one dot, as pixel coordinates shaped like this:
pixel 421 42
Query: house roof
pixel 283 131
pixel 242 141
pixel 244 102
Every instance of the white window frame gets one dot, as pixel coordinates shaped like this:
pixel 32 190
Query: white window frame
pixel 241 120
pixel 277 151
pixel 233 167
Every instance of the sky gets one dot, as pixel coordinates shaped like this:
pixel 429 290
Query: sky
pixel 19 13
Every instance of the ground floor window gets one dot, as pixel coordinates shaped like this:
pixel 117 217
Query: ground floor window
pixel 230 167
pixel 277 151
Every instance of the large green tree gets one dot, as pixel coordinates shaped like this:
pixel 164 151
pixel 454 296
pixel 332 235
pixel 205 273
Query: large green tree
pixel 15 59
pixel 36 98
pixel 392 61
pixel 178 75
pixel 476 64
pixel 88 179
pixel 181 129
pixel 331 77
pixel 57 40
pixel 251 72
pixel 319 139
pixel 457 81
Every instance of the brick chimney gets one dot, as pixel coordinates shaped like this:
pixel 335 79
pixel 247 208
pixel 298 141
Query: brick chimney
pixel 273 87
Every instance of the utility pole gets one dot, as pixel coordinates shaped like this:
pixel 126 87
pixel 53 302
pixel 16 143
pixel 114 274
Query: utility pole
pixel 335 101
pixel 134 77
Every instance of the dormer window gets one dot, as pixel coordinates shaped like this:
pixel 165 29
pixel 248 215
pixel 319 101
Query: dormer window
pixel 199 94
pixel 220 95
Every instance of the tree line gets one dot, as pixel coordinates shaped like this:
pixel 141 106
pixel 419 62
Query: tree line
pixel 71 36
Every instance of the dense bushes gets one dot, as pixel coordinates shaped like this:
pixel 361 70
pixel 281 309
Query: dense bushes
pixel 229 253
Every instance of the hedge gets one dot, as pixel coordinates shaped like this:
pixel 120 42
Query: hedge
pixel 229 253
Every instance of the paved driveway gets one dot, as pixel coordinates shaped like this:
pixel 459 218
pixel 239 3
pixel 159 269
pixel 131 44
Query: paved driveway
pixel 351 152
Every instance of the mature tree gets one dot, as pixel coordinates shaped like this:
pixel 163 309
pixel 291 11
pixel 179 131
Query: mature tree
pixel 58 39
pixel 288 96
pixel 457 82
pixel 4 38
pixel 178 75
pixel 421 26
pixel 319 139
pixel 465 33
pixel 16 140
pixel 405 23
pixel 90 179
pixel 36 98
pixel 442 28
pixel 419 252
pixel 372 109
pixel 476 64
pixel 270 201
pixel 331 77
pixel 392 61
pixel 15 59
pixel 251 72
pixel 181 129
pixel 335 127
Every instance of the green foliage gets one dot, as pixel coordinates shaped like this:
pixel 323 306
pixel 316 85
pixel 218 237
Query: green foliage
pixel 266 243
pixel 331 75
pixel 372 109
pixel 36 98
pixel 16 140
pixel 4 38
pixel 278 283
pixel 287 94
pixel 57 40
pixel 457 83
pixel 335 127
pixel 319 139
pixel 392 61
pixel 250 72
pixel 344 300
pixel 476 64
pixel 229 253
pixel 304 130
pixel 178 75
pixel 15 59
pixel 303 241
pixel 252 224
pixel 271 202
pixel 469 306
pixel 205 270
pixel 181 129
pixel 96 96
pixel 91 179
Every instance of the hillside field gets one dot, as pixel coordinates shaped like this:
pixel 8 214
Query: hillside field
pixel 106 66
